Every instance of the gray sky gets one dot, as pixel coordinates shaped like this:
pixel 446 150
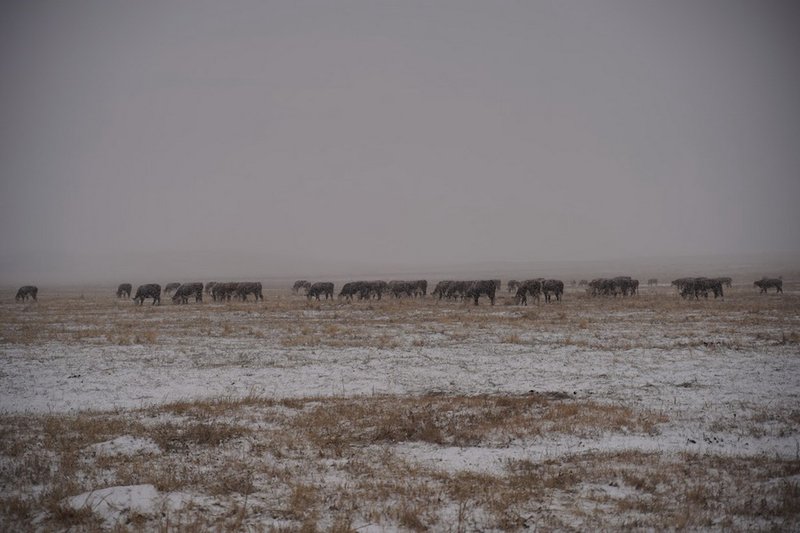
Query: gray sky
pixel 393 133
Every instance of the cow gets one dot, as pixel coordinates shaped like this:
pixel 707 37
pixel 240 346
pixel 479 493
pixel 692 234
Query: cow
pixel 365 290
pixel 349 290
pixel 301 284
pixel 124 288
pixel 680 283
pixel 700 287
pixel 555 286
pixel 372 288
pixel 249 287
pixel 400 288
pixel 764 284
pixel 420 288
pixel 532 287
pixel 652 281
pixel 27 291
pixel 221 292
pixel 150 290
pixel 441 289
pixel 458 289
pixel 186 291
pixel 477 289
pixel 512 285
pixel 170 287
pixel 319 288
pixel 209 286
pixel 728 282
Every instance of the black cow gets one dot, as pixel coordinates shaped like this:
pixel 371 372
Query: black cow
pixel 700 287
pixel 477 289
pixel 249 287
pixel 441 289
pixel 151 290
pixel 728 282
pixel 124 288
pixel 221 292
pixel 26 291
pixel 681 283
pixel 300 284
pixel 764 284
pixel 554 286
pixel 532 287
pixel 420 287
pixel 319 288
pixel 349 290
pixel 458 289
pixel 400 288
pixel 370 289
pixel 170 287
pixel 186 291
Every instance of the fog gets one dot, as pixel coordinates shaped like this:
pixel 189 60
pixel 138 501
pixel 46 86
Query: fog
pixel 201 139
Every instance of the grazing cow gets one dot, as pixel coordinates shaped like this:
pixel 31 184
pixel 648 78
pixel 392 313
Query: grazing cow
pixel 372 288
pixel 399 288
pixel 728 282
pixel 700 287
pixel 221 292
pixel 764 284
pixel 186 291
pixel 458 289
pixel 555 286
pixel 151 290
pixel 680 283
pixel 209 286
pixel 124 288
pixel 624 285
pixel 249 287
pixel 513 285
pixel 171 287
pixel 530 286
pixel 483 287
pixel 349 290
pixel 26 291
pixel 652 281
pixel 301 284
pixel 319 288
pixel 441 289
pixel 419 288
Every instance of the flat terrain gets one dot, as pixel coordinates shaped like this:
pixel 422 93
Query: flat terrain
pixel 649 412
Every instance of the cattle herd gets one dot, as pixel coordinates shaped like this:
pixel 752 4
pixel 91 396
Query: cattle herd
pixel 621 286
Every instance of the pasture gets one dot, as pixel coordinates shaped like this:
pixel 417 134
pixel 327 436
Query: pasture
pixel 650 411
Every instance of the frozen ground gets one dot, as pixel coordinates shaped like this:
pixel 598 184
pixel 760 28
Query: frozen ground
pixel 724 376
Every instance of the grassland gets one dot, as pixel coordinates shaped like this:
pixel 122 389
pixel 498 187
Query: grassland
pixel 286 415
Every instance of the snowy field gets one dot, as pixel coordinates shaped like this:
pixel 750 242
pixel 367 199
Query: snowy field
pixel 649 412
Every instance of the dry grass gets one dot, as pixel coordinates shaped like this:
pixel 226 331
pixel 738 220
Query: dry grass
pixel 334 464
pixel 341 463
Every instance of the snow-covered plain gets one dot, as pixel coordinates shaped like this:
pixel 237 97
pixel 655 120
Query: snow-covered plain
pixel 723 375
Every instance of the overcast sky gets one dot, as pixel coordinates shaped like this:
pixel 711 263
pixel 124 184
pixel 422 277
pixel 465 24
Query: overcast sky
pixel 403 132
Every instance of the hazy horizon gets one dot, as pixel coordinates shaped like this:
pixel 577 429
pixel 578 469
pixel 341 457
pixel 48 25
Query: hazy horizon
pixel 140 139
